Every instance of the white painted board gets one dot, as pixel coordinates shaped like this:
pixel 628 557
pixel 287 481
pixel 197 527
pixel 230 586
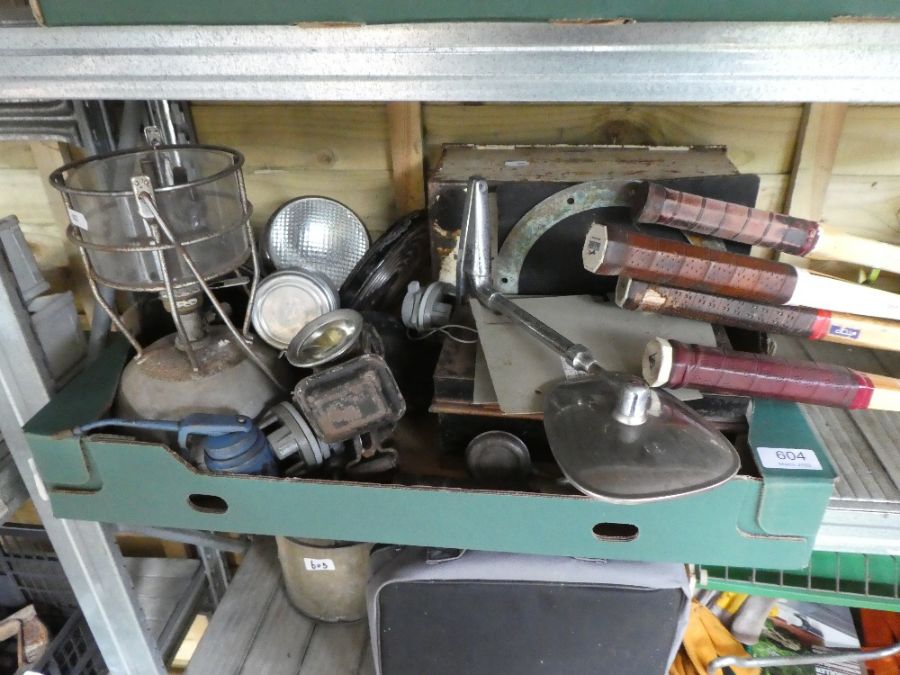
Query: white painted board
pixel 522 369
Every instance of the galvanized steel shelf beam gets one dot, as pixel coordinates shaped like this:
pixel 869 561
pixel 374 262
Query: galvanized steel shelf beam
pixel 651 62
pixel 289 12
pixel 874 531
pixel 87 550
pixel 12 490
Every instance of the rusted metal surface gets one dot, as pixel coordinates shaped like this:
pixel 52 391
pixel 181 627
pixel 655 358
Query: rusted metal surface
pixel 215 354
pixel 150 245
pixel 32 636
pixel 162 385
pixel 534 168
pixel 578 163
pixel 147 201
pixel 74 236
pixel 534 224
pixel 451 407
pixel 166 256
pixel 354 398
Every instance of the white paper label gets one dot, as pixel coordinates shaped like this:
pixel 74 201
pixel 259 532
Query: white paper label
pixel 319 564
pixel 789 458
pixel 77 219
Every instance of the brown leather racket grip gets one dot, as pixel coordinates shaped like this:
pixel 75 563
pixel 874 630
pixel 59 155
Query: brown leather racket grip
pixel 653 203
pixel 673 364
pixel 614 250
pixel 798 321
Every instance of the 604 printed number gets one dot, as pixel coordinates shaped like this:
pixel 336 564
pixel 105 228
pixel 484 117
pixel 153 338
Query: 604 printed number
pixel 802 459
pixel 791 455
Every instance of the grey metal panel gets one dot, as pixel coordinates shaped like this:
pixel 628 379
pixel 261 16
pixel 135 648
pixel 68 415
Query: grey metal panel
pixel 760 62
pixel 179 621
pixel 851 446
pixel 854 530
pixel 30 120
pixel 12 490
pixel 86 550
pixel 82 123
pixel 21 260
pixel 16 13
pixel 169 591
pixel 234 544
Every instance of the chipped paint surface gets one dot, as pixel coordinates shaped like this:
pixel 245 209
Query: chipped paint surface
pixel 448 257
pixel 534 224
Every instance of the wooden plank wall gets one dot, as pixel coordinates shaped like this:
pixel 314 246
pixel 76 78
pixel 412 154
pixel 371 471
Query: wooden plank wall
pixel 338 151
pixel 343 151
pixel 22 193
pixel 348 151
pixel 864 192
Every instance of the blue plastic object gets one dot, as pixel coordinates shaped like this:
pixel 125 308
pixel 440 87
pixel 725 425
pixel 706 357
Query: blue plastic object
pixel 230 443
pixel 762 518
pixel 246 452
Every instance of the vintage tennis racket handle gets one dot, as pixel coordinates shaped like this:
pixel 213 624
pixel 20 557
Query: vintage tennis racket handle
pixel 812 324
pixel 615 250
pixel 653 203
pixel 668 363
pixel 634 294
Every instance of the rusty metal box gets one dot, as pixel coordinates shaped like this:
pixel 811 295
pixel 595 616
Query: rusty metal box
pixel 522 178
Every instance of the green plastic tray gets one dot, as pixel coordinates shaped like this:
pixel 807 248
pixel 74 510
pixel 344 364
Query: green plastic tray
pixel 749 522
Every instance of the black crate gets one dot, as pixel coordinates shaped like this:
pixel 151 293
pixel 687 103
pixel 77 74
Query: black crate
pixel 33 575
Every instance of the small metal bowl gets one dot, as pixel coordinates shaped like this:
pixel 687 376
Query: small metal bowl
pixel 332 336
pixel 498 456
pixel 286 301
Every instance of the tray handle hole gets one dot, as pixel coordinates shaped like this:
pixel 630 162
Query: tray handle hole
pixel 207 503
pixel 615 532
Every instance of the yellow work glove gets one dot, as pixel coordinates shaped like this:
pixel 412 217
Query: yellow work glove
pixel 705 640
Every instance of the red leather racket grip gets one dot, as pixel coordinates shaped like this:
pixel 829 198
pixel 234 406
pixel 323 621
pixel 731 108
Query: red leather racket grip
pixel 799 321
pixel 653 203
pixel 615 250
pixel 710 369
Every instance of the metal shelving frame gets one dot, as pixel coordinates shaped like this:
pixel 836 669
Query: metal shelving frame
pixel 503 62
pixel 87 550
pixel 850 579
pixel 515 62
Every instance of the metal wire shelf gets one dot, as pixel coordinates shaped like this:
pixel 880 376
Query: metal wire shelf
pixel 849 579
